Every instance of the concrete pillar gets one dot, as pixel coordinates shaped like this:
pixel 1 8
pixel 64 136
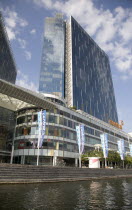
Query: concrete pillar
pixel 54 160
pixel 80 163
pixel 76 162
pixel 23 159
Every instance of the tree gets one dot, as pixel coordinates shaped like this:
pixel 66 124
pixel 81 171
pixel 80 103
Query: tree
pixel 92 153
pixel 113 157
pixel 128 161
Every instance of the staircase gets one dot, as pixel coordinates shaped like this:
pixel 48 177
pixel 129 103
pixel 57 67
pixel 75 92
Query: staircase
pixel 32 174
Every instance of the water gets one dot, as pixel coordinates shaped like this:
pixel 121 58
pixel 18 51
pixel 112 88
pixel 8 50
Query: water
pixel 85 195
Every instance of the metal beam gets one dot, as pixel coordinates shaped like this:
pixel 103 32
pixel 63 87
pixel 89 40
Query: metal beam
pixel 22 94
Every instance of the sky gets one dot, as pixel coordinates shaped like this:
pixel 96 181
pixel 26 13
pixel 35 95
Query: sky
pixel 108 22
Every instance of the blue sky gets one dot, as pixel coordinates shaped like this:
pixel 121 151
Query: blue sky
pixel 108 22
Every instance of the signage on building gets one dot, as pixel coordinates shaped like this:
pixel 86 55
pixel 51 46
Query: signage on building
pixel 104 143
pixel 116 124
pixel 121 148
pixel 80 137
pixel 21 145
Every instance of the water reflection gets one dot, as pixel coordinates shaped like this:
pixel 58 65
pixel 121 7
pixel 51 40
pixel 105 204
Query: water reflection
pixel 85 195
pixel 126 193
pixel 95 194
pixel 109 195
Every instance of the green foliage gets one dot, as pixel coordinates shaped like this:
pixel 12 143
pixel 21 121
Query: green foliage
pixel 93 153
pixel 113 157
pixel 128 160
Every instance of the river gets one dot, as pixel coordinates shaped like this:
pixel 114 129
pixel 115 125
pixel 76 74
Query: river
pixel 82 195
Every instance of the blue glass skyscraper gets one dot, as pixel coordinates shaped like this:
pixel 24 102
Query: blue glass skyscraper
pixel 89 79
pixel 52 63
pixel 8 70
pixel 74 67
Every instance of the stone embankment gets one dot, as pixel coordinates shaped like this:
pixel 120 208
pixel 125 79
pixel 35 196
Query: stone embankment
pixel 34 174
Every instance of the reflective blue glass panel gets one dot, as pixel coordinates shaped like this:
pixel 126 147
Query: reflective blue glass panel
pixel 52 64
pixel 7 66
pixel 92 81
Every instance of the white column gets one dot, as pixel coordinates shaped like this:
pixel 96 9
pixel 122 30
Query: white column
pixel 105 163
pixel 54 160
pixel 76 162
pixel 23 159
pixel 80 164
pixel 12 153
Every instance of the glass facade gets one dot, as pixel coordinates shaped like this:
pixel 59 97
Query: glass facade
pixel 60 134
pixel 92 81
pixel 7 66
pixel 7 124
pixel 52 63
pixel 7 72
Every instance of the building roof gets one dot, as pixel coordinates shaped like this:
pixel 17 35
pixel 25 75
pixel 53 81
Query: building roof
pixel 14 97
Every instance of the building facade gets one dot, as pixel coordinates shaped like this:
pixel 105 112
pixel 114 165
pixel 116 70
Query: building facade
pixel 8 72
pixel 60 139
pixel 75 67
pixel 52 62
pixel 89 80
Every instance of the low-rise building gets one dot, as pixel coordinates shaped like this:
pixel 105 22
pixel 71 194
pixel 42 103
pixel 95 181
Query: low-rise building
pixel 60 140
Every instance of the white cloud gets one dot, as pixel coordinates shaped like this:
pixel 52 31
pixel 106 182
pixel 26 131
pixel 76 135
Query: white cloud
pixel 112 30
pixel 22 43
pixel 10 22
pixel 33 31
pixel 22 22
pixel 24 81
pixel 124 65
pixel 44 3
pixel 126 29
pixel 14 25
pixel 124 77
pixel 126 117
pixel 13 22
pixel 28 55
pixel 10 33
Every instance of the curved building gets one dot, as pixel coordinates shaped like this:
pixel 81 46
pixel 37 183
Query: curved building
pixel 60 138
pixel 60 141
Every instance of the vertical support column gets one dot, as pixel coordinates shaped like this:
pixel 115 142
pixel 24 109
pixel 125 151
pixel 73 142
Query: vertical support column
pixel 80 164
pixel 76 162
pixel 22 159
pixel 105 163
pixel 123 164
pixel 12 153
pixel 54 160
